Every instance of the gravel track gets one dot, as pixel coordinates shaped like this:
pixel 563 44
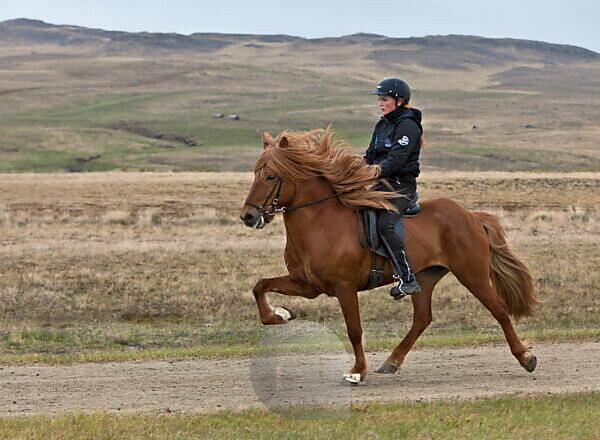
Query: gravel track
pixel 209 385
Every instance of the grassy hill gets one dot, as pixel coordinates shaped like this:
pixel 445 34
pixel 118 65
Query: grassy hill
pixel 77 99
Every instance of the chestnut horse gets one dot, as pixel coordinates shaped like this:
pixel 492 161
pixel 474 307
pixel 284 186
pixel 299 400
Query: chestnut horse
pixel 318 183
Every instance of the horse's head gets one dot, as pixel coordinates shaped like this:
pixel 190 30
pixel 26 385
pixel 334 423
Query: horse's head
pixel 269 191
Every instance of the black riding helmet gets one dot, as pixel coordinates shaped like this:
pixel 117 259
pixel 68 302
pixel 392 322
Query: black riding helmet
pixel 393 87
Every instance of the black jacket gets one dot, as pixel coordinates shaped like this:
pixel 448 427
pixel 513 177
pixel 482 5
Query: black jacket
pixel 395 145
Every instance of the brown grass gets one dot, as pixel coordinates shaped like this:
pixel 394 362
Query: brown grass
pixel 113 247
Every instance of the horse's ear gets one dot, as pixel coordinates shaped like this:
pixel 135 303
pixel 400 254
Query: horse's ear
pixel 283 142
pixel 267 140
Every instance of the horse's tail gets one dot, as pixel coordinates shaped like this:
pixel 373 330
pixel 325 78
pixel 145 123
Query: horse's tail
pixel 510 276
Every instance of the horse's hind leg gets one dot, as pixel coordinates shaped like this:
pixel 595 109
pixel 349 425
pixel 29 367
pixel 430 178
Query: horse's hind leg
pixel 476 277
pixel 284 285
pixel 421 318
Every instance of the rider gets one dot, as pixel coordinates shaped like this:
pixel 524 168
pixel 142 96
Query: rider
pixel 395 147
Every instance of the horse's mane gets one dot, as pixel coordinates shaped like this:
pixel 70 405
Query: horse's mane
pixel 298 156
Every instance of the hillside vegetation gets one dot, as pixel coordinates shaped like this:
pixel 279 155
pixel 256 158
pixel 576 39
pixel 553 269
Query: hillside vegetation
pixel 77 99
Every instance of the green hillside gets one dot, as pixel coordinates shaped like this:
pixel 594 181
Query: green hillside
pixel 76 99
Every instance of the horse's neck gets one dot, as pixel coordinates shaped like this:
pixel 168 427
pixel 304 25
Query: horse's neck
pixel 309 191
pixel 305 225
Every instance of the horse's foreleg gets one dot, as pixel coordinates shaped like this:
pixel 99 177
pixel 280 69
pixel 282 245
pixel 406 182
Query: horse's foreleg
pixel 421 319
pixel 348 300
pixel 284 285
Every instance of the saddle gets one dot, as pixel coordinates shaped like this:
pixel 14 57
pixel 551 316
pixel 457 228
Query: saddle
pixel 373 241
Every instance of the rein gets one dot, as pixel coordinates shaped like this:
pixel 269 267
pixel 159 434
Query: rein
pixel 285 209
pixel 272 209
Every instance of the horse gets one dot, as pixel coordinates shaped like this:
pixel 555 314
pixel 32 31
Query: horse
pixel 318 183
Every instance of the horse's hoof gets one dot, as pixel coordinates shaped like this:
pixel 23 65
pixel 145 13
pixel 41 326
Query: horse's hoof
pixel 353 378
pixel 285 314
pixel 531 364
pixel 387 369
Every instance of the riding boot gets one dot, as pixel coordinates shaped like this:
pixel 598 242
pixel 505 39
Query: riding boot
pixel 407 283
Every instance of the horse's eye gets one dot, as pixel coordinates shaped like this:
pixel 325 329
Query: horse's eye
pixel 270 177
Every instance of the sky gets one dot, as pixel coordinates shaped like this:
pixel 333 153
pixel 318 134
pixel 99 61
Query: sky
pixel 572 22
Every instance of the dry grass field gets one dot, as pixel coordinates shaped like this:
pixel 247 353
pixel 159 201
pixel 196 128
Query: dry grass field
pixel 144 261
pixel 138 261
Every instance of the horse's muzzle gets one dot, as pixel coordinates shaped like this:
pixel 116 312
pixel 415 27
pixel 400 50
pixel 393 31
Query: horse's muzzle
pixel 253 221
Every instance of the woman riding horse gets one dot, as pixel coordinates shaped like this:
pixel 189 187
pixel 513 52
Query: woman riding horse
pixel 318 184
pixel 395 147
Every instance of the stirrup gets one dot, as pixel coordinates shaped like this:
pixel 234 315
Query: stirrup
pixel 404 288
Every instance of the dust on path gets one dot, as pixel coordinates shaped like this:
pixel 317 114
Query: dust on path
pixel 200 385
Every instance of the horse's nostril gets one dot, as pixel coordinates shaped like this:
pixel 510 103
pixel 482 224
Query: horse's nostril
pixel 247 218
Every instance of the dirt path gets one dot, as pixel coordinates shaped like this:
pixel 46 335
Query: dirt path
pixel 211 385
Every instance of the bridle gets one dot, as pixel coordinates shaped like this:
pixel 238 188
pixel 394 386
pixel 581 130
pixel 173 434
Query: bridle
pixel 272 209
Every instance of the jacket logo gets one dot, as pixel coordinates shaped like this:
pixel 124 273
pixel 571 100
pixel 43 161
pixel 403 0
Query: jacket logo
pixel 404 141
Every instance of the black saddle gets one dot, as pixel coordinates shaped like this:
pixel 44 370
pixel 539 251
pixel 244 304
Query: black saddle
pixel 369 217
pixel 375 243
